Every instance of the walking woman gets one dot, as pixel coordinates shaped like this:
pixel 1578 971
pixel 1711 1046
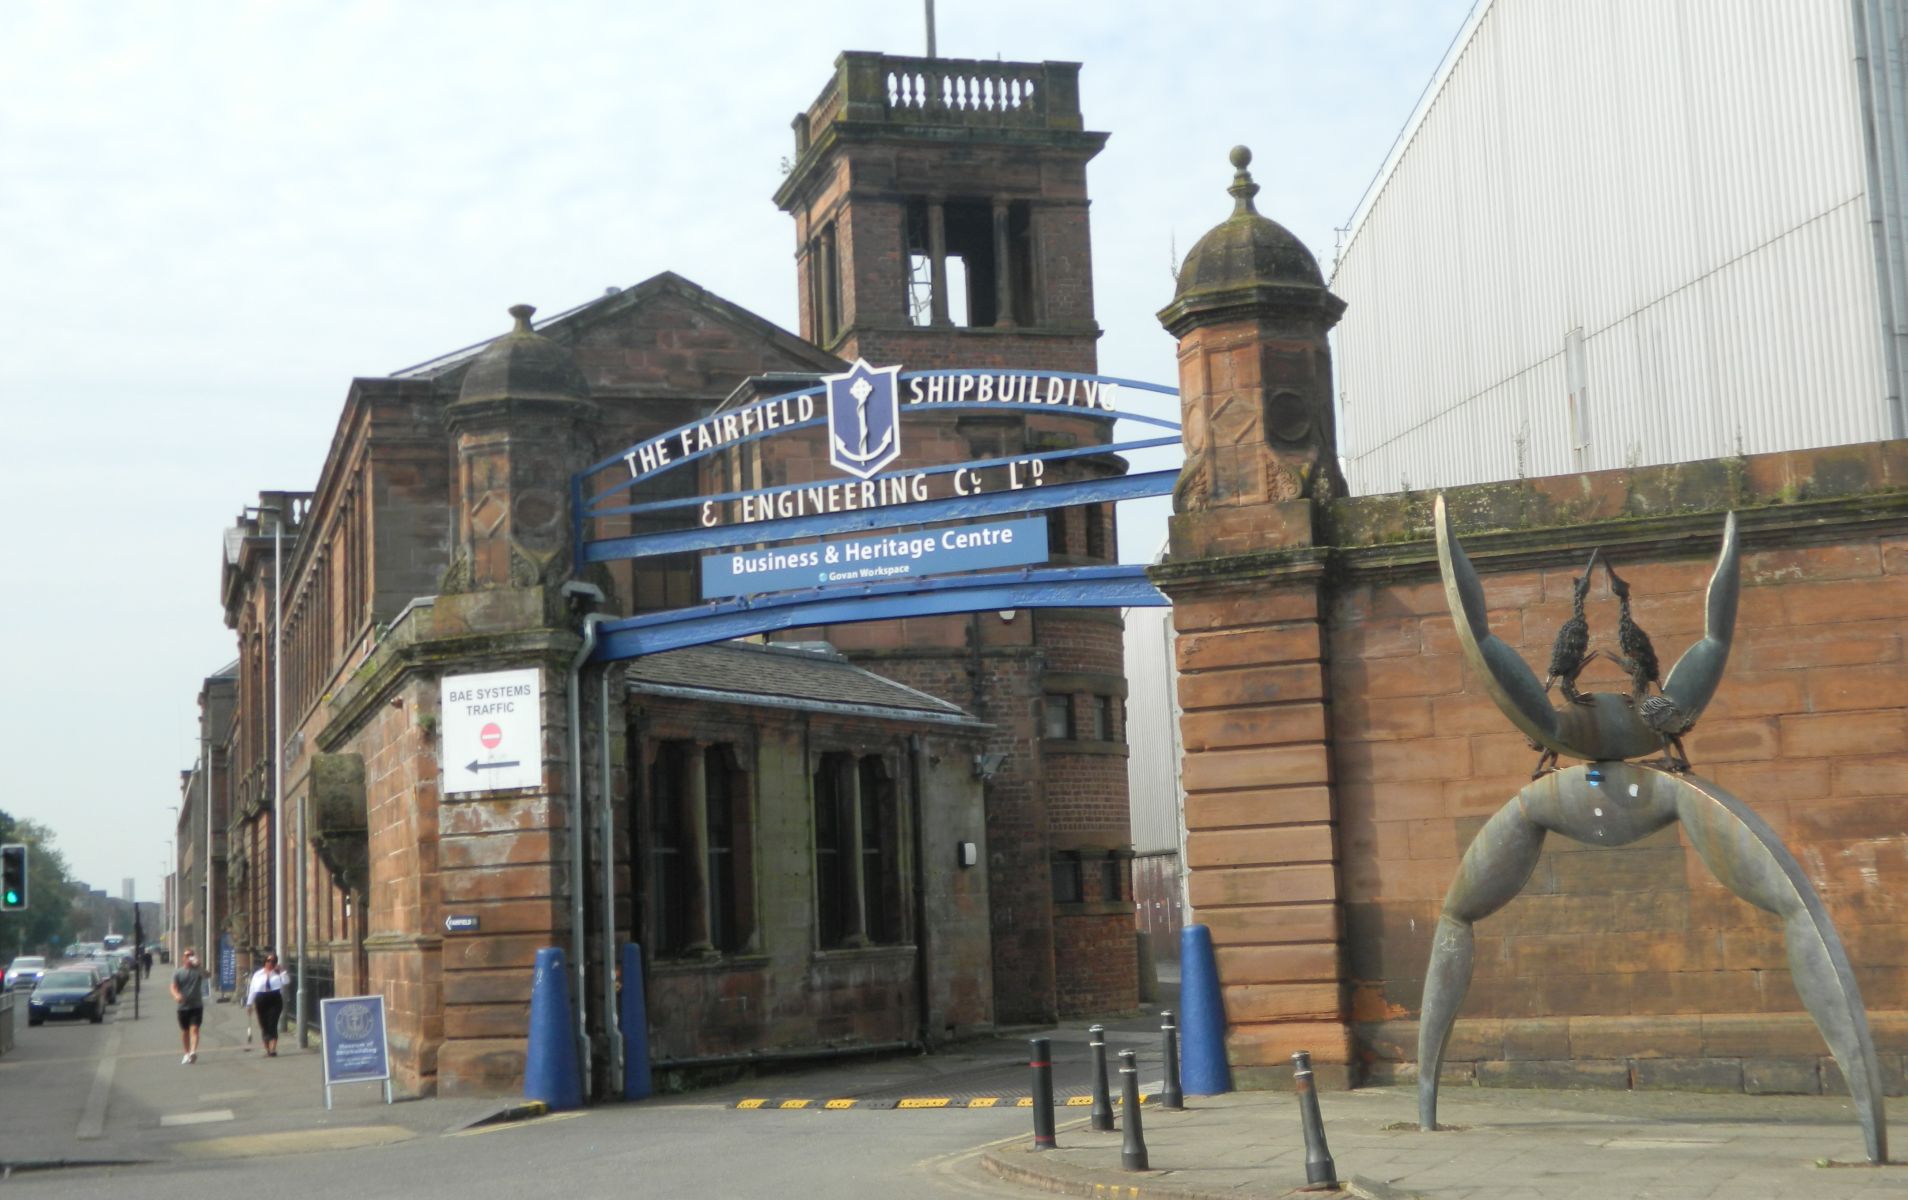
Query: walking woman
pixel 266 999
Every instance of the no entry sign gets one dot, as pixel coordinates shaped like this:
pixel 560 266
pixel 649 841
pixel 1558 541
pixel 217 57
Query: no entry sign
pixel 493 731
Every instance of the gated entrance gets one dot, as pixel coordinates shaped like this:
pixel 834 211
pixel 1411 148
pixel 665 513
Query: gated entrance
pixel 956 556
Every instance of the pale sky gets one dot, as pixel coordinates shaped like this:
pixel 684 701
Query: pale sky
pixel 214 215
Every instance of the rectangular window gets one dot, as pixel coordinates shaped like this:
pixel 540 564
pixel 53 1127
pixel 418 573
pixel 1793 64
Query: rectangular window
pixel 834 876
pixel 880 854
pixel 1020 260
pixel 725 922
pixel 827 268
pixel 920 265
pixel 695 912
pixel 1056 533
pixel 1097 521
pixel 1067 880
pixel 1112 878
pixel 1058 722
pixel 668 865
pixel 972 299
pixel 857 825
pixel 1101 728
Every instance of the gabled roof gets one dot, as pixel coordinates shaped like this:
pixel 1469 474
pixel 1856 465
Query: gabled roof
pixel 565 326
pixel 810 676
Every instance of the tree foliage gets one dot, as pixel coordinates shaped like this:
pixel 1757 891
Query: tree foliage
pixel 48 920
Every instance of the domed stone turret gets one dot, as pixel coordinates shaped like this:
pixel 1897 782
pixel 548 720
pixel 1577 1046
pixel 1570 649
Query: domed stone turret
pixel 1247 260
pixel 523 365
pixel 519 426
pixel 1252 314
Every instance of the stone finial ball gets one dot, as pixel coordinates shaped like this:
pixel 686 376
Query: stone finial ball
pixel 1241 157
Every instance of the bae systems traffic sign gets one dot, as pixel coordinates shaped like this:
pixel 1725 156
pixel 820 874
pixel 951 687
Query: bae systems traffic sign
pixel 492 732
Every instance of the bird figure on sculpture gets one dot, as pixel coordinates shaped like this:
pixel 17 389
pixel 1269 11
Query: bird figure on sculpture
pixel 1670 723
pixel 1660 713
pixel 1632 642
pixel 1637 658
pixel 1569 654
pixel 1571 651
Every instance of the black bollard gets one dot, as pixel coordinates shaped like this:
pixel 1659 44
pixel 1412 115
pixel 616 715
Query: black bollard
pixel 1102 1098
pixel 1169 1094
pixel 1319 1167
pixel 1042 1064
pixel 1133 1143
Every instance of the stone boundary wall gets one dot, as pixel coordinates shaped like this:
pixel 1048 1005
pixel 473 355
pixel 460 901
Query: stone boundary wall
pixel 1337 770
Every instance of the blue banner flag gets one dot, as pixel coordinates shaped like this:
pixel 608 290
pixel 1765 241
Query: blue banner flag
pixel 898 555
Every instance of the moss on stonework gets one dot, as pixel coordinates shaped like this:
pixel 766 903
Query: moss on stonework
pixel 1675 489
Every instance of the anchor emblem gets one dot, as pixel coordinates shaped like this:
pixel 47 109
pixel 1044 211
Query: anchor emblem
pixel 864 418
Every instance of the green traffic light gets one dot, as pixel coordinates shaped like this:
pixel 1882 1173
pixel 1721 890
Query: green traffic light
pixel 13 897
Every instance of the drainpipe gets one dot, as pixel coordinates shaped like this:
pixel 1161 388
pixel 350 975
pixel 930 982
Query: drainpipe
pixel 1883 172
pixel 921 947
pixel 578 592
pixel 611 1008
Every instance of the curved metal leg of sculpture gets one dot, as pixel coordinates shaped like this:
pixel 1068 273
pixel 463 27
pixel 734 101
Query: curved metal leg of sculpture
pixel 1495 868
pixel 1747 857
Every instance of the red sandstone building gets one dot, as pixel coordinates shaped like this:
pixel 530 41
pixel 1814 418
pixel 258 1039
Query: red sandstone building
pixel 767 805
pixel 857 837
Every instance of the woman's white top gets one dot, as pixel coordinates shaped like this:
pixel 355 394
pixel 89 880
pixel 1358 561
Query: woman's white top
pixel 266 981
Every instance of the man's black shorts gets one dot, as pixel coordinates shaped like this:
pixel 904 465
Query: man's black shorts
pixel 191 1017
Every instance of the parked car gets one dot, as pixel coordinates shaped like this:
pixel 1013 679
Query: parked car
pixel 67 992
pixel 25 971
pixel 108 980
pixel 122 965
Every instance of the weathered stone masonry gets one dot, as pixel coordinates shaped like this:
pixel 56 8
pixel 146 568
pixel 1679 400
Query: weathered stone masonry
pixel 1339 756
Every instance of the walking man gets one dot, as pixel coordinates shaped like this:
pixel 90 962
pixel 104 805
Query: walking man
pixel 188 988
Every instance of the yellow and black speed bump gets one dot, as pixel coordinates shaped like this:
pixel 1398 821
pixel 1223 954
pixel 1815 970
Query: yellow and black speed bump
pixel 764 1103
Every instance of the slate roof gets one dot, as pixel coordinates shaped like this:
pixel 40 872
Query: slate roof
pixel 562 326
pixel 813 675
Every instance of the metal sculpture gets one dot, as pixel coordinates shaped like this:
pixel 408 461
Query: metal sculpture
pixel 1610 802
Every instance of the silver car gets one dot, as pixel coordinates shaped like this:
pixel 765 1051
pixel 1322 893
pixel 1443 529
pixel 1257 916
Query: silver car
pixel 25 971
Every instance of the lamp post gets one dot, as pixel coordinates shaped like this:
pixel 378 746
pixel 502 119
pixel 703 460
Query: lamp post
pixel 278 729
pixel 178 877
pixel 205 797
pixel 165 906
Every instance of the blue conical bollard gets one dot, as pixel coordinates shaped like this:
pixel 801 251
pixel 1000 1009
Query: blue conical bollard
pixel 1202 1030
pixel 550 1071
pixel 634 1015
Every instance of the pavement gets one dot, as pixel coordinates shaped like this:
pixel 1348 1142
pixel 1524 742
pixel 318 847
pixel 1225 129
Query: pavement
pixel 1502 1144
pixel 118 1093
pixel 74 1095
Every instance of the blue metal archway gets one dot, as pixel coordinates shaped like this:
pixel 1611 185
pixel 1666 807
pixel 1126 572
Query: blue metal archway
pixel 1121 586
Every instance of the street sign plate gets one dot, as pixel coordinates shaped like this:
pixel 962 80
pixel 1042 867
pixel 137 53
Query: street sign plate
pixel 460 923
pixel 492 731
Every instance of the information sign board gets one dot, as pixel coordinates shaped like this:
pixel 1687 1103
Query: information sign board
pixel 228 963
pixel 898 555
pixel 356 1049
pixel 492 730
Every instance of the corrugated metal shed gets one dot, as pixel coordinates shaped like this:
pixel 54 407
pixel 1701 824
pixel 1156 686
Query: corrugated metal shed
pixel 1619 232
pixel 1152 763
